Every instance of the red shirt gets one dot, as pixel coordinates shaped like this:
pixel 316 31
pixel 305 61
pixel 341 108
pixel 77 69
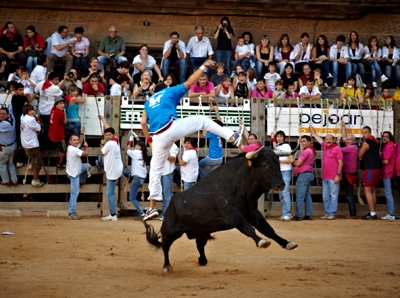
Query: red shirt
pixel 87 89
pixel 56 129
pixel 39 41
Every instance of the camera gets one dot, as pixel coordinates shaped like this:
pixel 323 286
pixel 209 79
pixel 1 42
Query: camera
pixel 71 75
pixel 174 43
pixel 224 25
pixel 32 47
pixel 111 55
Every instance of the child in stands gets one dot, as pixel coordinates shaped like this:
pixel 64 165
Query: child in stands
pixel 242 89
pixel 272 76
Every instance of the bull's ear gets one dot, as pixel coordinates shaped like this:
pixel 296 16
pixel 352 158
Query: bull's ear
pixel 249 162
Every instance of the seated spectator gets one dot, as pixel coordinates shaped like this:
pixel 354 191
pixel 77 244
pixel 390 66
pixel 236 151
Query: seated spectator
pixel 223 34
pixel 199 49
pixel 224 90
pixel 112 49
pixel 302 53
pixel 189 163
pixel 59 52
pixel 145 87
pixel 169 80
pixel 57 130
pixel 94 69
pixel 2 67
pixel 318 82
pixel 349 90
pixel 320 55
pixel 369 92
pixel 396 96
pixel 279 93
pixel 10 88
pixel 33 45
pixel 307 74
pixel 248 41
pixel 391 58
pixel 174 53
pixel 72 101
pixel 272 76
pixel 242 54
pixel 121 87
pixel 283 53
pixel 234 74
pixel 356 55
pixel 288 77
pixel 373 55
pixel 252 77
pixel 39 72
pixel 16 75
pixel 12 45
pixel 291 92
pixel 29 85
pixel 309 91
pixel 339 57
pixel 202 87
pixel 123 69
pixel 261 91
pixel 93 87
pixel 218 78
pixel 143 62
pixel 385 95
pixel 80 50
pixel 264 54
pixel 70 79
pixel 242 88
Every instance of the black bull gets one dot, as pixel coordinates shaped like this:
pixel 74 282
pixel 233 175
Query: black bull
pixel 222 200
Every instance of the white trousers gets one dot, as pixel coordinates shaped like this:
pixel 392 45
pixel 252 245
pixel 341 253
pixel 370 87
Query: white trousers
pixel 162 145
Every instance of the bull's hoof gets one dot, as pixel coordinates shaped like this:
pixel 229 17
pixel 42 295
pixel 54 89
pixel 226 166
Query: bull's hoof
pixel 263 243
pixel 291 246
pixel 167 268
pixel 202 261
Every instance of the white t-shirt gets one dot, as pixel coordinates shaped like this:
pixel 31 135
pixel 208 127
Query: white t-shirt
pixel 138 166
pixel 169 167
pixel 314 91
pixel 12 78
pixel 115 90
pixel 29 129
pixel 241 50
pixel 271 79
pixel 112 160
pixel 47 96
pixel 28 89
pixel 74 161
pixel 149 65
pixel 190 170
pixel 284 148
pixel 38 74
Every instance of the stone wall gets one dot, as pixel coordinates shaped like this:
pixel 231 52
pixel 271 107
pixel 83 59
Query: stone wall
pixel 131 27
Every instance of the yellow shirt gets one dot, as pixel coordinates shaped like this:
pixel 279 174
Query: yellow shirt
pixel 387 99
pixel 396 95
pixel 350 91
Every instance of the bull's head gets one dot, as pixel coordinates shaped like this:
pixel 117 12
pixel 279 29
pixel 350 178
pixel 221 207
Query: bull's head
pixel 254 154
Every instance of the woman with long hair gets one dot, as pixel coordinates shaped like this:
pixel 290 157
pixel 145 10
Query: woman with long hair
pixel 355 55
pixel 93 69
pixel 373 55
pixel 33 45
pixel 143 62
pixel 265 54
pixel 391 57
pixel 169 80
pixel 320 54
pixel 289 78
pixel 283 53
pixel 223 34
pixel 145 87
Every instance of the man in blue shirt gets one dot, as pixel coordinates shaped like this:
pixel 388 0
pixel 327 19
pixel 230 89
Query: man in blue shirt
pixel 165 129
pixel 8 145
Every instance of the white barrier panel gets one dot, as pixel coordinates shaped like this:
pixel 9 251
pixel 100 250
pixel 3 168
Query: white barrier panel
pixel 229 115
pixel 296 121
pixel 90 118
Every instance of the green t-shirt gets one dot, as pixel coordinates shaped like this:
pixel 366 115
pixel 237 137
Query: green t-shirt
pixel 115 47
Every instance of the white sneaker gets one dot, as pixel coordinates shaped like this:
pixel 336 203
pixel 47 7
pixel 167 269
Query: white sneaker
pixel 20 164
pixel 388 217
pixel 384 78
pixel 285 218
pixel 329 76
pixel 151 213
pixel 110 217
pixel 37 183
pixel 375 85
pixel 236 139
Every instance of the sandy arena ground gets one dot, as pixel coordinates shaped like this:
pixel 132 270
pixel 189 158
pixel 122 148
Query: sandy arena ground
pixel 55 257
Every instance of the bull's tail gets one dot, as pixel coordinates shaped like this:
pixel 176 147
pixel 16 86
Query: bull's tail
pixel 151 236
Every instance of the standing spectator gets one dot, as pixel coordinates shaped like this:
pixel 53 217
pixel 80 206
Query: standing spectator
pixel 113 166
pixel 391 58
pixel 174 53
pixel 202 87
pixel 320 54
pixel 305 177
pixel 93 87
pixel 8 146
pixel 29 139
pixel 33 45
pixel 371 162
pixel 339 57
pixel 60 43
pixel 80 50
pixel 332 164
pixel 272 76
pixel 143 62
pixel 112 49
pixel 388 162
pixel 285 163
pixel 310 91
pixel 189 163
pixel 283 53
pixel 373 55
pixel 198 49
pixel 76 170
pixel 12 45
pixel 264 54
pixel 57 130
pixel 94 69
pixel 72 101
pixel 252 141
pixel 302 53
pixel 350 170
pixel 356 55
pixel 39 72
pixel 223 34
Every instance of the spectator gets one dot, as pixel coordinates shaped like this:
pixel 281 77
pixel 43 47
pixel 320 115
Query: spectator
pixel 72 101
pixel 77 172
pixel 307 73
pixel 272 76
pixel 70 79
pixel 80 50
pixel 234 74
pixel 242 88
pixel 113 166
pixel 39 72
pixel 143 62
pixel 223 34
pixel 189 163
pixel 123 69
pixel 248 41
pixel 225 89
pixel 33 45
pixel 261 91
pixel 373 55
pixel 252 141
pixel 57 130
pixel 279 93
pixel 218 77
pixel 302 53
pixel 288 77
pixel 112 49
pixel 16 75
pixel 283 53
pixel 198 49
pixel 8 146
pixel 174 53
pixel 339 57
pixel 12 45
pixel 318 82
pixel 356 55
pixel 94 69
pixel 320 54
pixel 121 87
pixel 93 87
pixel 169 80
pixel 202 87
pixel 310 91
pixel 60 43
pixel 265 54
pixel 385 95
pixel 145 87
pixel 396 96
pixel 388 163
pixel 242 54
pixel 291 92
pixel 349 90
pixel 252 77
pixel 369 92
pixel 29 85
pixel 391 58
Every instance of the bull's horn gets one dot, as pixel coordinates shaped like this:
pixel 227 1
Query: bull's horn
pixel 253 154
pixel 283 153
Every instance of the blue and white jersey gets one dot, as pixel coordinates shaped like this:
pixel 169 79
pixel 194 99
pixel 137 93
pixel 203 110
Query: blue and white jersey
pixel 161 107
pixel 215 146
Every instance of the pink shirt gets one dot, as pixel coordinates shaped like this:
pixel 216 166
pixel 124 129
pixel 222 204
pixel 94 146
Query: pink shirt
pixel 80 46
pixel 307 157
pixel 350 159
pixel 266 94
pixel 251 147
pixel 397 150
pixel 330 161
pixel 388 154
pixel 207 88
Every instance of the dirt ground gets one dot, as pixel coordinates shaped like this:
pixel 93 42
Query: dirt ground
pixel 55 257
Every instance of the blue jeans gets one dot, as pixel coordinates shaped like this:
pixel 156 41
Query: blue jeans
pixel 6 164
pixel 135 185
pixel 245 62
pixel 330 193
pixel 75 187
pixel 388 71
pixel 357 66
pixel 72 128
pixel 375 68
pixel 225 56
pixel 187 185
pixel 284 196
pixel 303 194
pixel 82 61
pixel 387 187
pixel 197 62
pixel 166 184
pixel 324 66
pixel 335 70
pixel 261 69
pixel 103 61
pixel 182 68
pixel 111 195
pixel 208 162
pixel 31 63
